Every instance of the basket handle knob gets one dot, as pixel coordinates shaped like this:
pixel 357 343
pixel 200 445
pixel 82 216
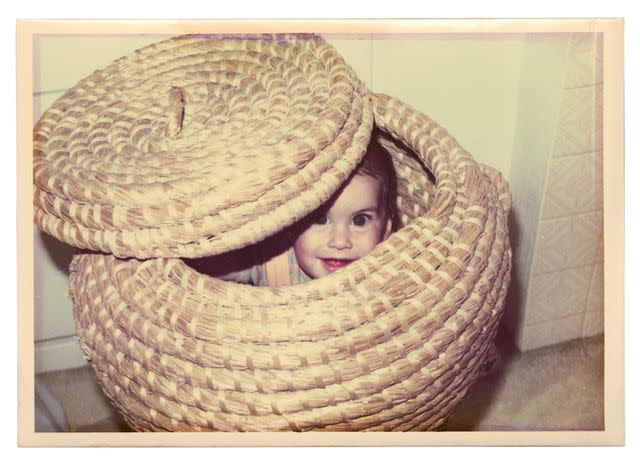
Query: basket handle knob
pixel 175 116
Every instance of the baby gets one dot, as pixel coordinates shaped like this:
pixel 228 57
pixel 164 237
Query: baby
pixel 356 218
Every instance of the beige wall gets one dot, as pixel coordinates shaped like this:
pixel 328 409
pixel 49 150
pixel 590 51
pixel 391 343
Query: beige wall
pixel 504 97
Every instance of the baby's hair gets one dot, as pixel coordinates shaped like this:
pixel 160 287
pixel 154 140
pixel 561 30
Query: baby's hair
pixel 377 164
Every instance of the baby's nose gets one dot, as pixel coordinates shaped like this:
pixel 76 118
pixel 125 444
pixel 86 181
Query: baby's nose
pixel 340 237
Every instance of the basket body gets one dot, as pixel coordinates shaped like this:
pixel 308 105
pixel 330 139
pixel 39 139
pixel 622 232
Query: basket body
pixel 390 343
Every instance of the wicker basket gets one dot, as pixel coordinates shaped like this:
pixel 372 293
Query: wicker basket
pixel 198 145
pixel 391 342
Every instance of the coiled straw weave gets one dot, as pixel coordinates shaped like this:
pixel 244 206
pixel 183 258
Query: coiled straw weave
pixel 198 145
pixel 391 342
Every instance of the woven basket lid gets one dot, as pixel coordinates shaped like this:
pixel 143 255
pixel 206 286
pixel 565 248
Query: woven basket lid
pixel 198 145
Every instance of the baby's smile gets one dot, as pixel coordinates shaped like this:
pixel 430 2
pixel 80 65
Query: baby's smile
pixel 331 265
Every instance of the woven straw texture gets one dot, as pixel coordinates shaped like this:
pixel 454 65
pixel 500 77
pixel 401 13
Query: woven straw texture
pixel 198 145
pixel 391 342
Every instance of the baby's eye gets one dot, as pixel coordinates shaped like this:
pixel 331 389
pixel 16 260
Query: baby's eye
pixel 361 220
pixel 320 219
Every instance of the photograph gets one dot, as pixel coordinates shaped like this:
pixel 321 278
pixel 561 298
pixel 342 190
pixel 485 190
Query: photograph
pixel 302 232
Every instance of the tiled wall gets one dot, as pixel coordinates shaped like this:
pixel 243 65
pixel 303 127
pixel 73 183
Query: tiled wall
pixel 564 293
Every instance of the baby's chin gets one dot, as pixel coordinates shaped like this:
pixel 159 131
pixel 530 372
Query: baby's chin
pixel 315 271
pixel 314 274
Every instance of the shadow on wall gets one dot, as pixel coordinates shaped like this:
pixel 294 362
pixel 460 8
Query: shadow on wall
pixel 513 307
pixel 60 253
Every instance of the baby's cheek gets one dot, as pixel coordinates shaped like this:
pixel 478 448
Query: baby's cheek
pixel 376 233
pixel 310 239
pixel 304 261
pixel 297 250
pixel 303 248
pixel 375 238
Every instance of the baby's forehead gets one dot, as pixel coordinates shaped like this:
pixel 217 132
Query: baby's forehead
pixel 360 192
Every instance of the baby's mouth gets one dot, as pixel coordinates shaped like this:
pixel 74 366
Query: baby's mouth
pixel 335 264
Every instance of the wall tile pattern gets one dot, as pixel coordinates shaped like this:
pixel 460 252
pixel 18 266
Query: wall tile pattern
pixel 565 297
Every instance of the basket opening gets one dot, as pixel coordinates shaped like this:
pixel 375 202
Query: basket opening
pixel 413 188
pixel 243 258
pixel 415 183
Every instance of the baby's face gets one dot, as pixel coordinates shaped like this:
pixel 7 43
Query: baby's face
pixel 347 228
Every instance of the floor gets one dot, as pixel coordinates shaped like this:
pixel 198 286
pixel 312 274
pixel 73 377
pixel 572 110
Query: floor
pixel 554 388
